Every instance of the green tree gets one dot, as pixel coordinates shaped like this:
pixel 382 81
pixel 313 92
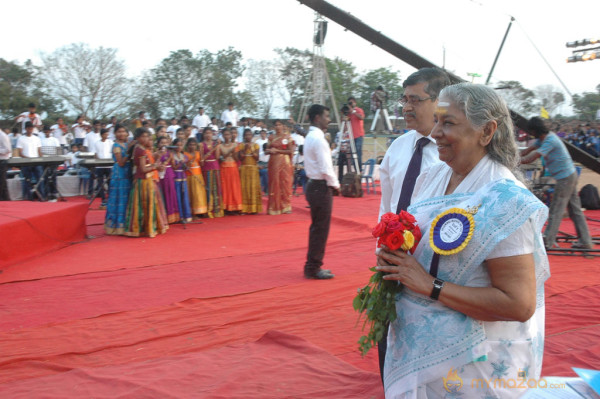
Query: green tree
pixel 518 98
pixel 549 97
pixel 225 70
pixel 264 85
pixel 343 78
pixel 19 86
pixel 295 71
pixel 587 104
pixel 386 77
pixel 89 81
pixel 183 81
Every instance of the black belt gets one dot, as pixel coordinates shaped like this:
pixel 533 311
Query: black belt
pixel 317 181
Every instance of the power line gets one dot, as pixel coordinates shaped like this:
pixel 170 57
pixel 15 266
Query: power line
pixel 546 61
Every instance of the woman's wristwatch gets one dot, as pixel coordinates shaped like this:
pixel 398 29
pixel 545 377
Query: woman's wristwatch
pixel 437 288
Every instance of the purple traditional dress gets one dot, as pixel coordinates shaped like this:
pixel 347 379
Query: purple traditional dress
pixel 167 186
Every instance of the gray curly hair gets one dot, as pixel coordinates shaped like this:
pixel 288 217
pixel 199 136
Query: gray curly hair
pixel 481 105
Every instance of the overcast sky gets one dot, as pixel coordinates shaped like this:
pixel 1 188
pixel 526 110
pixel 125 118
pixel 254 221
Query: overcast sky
pixel 145 32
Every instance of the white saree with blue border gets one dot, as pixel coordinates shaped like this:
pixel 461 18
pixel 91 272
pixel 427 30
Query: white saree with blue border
pixel 428 339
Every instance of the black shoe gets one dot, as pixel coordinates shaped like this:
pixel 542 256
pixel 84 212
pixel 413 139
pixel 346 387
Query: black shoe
pixel 578 245
pixel 320 275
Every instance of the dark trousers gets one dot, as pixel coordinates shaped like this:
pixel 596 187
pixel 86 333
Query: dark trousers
pixel 264 178
pixel 300 179
pixel 381 350
pixel 101 174
pixel 320 199
pixel 3 185
pixel 31 176
pixel 358 142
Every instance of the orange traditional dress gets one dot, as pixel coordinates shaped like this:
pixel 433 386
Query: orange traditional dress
pixel 230 181
pixel 195 181
pixel 250 178
pixel 146 214
pixel 281 174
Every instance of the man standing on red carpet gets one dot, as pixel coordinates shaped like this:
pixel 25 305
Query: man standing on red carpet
pixel 412 152
pixel 322 185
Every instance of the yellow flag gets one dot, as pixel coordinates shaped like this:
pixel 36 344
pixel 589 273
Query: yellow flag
pixel 544 114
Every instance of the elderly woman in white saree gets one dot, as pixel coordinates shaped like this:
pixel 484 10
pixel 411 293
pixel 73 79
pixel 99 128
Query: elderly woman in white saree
pixel 471 309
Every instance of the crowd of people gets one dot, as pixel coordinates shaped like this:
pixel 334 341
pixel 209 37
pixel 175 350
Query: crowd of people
pixel 159 179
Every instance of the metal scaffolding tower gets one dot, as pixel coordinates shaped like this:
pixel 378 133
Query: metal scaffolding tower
pixel 318 88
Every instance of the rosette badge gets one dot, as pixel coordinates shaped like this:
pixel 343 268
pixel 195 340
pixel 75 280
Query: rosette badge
pixel 284 143
pixel 377 300
pixel 452 230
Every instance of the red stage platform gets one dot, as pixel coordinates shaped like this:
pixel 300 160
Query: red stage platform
pixel 221 310
pixel 30 229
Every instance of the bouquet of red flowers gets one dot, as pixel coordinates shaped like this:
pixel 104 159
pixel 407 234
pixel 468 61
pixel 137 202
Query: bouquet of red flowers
pixel 378 298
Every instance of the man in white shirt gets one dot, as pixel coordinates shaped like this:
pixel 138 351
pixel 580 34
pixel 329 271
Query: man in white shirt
pixel 172 129
pixel 50 147
pixel 298 158
pixel 412 152
pixel 30 146
pixel 5 154
pixel 30 116
pixel 201 120
pixel 102 150
pixel 263 161
pixel 60 131
pixel 50 144
pixel 90 146
pixel 230 115
pixel 79 129
pixel 321 187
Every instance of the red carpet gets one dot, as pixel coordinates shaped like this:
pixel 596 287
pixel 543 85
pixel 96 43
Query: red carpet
pixel 193 313
pixel 30 229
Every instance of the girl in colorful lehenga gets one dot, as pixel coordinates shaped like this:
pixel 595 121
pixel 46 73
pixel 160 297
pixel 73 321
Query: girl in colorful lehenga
pixel 249 175
pixel 167 182
pixel 145 212
pixel 212 177
pixel 120 185
pixel 280 147
pixel 195 181
pixel 180 165
pixel 230 175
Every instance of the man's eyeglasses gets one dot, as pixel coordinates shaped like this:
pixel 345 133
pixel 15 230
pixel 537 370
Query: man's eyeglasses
pixel 413 100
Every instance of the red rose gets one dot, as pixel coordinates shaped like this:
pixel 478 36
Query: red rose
pixel 407 218
pixel 417 233
pixel 382 239
pixel 388 217
pixel 395 240
pixel 395 226
pixel 379 229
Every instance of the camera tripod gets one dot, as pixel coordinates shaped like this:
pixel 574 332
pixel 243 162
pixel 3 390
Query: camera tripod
pixel 350 155
pixel 385 119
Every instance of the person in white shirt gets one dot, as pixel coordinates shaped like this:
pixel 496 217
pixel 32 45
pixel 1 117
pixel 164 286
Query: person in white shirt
pixel 298 158
pixel 201 120
pixel 30 116
pixel 230 115
pixel 30 146
pixel 102 150
pixel 89 142
pixel 79 129
pixel 321 186
pixel 5 154
pixel 72 160
pixel 50 144
pixel 50 147
pixel 263 161
pixel 172 129
pixel 214 124
pixel 60 131
pixel 412 152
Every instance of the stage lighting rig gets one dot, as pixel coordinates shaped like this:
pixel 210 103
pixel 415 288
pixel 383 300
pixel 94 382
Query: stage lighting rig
pixel 592 52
